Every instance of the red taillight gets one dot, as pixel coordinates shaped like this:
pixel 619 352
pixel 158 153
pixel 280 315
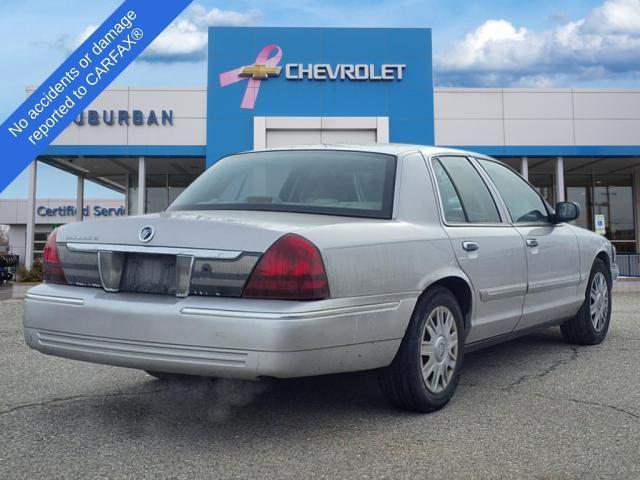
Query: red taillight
pixel 52 268
pixel 291 269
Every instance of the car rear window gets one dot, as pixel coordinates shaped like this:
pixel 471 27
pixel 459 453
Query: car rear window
pixel 358 184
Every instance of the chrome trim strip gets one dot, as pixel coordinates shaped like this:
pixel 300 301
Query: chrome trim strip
pixel 102 256
pixel 196 252
pixel 183 283
pixel 498 293
pixel 213 312
pixel 545 285
pixel 53 299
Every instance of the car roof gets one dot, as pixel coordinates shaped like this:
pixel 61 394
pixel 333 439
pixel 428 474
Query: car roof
pixel 388 148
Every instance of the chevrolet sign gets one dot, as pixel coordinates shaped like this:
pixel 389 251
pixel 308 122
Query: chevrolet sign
pixel 260 72
pixel 267 63
pixel 344 71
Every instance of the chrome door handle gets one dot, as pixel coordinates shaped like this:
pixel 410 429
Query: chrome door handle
pixel 532 242
pixel 470 246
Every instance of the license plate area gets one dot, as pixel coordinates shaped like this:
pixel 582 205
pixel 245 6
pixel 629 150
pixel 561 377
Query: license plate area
pixel 149 273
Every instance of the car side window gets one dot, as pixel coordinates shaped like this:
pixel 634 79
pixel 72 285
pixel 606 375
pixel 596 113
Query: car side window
pixel 453 211
pixel 522 201
pixel 472 193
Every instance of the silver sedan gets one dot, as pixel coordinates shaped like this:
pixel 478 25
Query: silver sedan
pixel 317 260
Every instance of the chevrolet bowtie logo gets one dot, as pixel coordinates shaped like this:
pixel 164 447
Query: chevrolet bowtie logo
pixel 260 72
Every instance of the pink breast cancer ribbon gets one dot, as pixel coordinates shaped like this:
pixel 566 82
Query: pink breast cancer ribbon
pixel 253 85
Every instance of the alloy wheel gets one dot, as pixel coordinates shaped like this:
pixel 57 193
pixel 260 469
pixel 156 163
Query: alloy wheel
pixel 439 349
pixel 599 301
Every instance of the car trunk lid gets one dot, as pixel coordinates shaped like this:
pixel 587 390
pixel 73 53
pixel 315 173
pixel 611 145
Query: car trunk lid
pixel 176 253
pixel 246 231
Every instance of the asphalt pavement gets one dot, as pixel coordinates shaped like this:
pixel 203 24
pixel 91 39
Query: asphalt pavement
pixel 531 408
pixel 6 292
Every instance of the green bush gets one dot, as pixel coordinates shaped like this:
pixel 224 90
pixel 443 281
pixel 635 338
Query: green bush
pixel 33 275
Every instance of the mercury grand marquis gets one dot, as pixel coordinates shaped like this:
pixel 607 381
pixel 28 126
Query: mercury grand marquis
pixel 318 260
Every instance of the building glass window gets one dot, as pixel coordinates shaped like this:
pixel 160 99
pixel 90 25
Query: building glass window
pixel 578 190
pixel 544 184
pixel 157 193
pixel 613 198
pixel 610 195
pixel 39 240
pixel 161 191
pixel 132 195
pixel 40 237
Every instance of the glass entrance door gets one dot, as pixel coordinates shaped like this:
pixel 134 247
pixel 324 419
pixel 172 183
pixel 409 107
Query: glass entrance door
pixel 613 198
pixel 579 190
pixel 610 196
pixel 581 196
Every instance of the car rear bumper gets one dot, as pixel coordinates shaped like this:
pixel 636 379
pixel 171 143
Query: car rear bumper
pixel 233 338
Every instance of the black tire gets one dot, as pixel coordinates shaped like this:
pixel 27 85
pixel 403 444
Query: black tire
pixel 581 329
pixel 403 382
pixel 174 377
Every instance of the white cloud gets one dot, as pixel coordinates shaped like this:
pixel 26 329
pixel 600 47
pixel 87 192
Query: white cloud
pixel 485 45
pixel 186 38
pixel 621 16
pixel 86 33
pixel 606 43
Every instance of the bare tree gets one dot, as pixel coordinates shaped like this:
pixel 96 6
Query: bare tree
pixel 4 235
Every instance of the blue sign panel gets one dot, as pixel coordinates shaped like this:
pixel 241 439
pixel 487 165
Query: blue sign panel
pixel 317 72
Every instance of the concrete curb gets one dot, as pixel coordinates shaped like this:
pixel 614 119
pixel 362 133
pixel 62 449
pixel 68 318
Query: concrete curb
pixel 627 285
pixel 19 290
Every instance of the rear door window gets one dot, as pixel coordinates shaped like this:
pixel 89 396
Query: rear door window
pixel 451 204
pixel 464 195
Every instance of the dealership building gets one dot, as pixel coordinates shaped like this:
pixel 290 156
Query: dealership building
pixel 272 87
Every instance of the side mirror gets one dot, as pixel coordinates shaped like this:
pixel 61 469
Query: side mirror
pixel 566 212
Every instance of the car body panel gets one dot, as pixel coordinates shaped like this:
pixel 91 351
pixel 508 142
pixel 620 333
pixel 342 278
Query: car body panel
pixel 234 230
pixel 498 273
pixel 553 273
pixel 80 322
pixel 590 246
pixel 497 269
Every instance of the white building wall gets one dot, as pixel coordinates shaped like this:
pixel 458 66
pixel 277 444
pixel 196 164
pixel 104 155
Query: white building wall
pixel 17 241
pixel 189 127
pixel 513 116
pixel 9 211
pixel 463 116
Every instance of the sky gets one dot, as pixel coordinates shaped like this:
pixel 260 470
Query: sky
pixel 494 43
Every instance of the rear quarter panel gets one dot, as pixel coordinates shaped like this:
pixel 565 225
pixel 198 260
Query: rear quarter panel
pixel 392 258
pixel 401 255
